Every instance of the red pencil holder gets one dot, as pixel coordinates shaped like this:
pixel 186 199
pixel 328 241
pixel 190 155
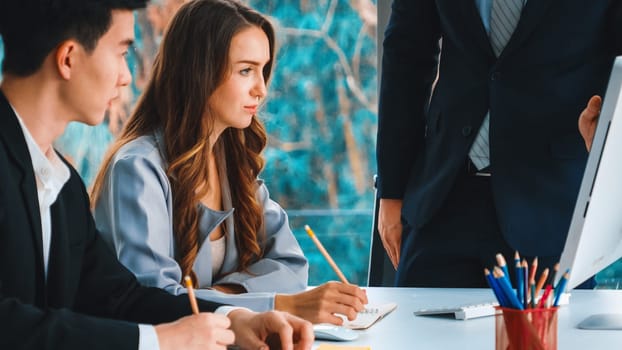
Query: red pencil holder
pixel 531 329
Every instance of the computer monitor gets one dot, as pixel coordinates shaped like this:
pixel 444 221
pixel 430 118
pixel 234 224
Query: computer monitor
pixel 595 236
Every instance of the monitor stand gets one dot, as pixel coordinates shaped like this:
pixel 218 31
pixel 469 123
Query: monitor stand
pixel 602 322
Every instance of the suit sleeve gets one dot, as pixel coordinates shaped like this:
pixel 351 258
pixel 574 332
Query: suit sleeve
pixel 614 26
pixel 409 68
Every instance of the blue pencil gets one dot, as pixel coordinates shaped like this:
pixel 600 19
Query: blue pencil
pixel 520 282
pixel 502 264
pixel 559 289
pixel 492 282
pixel 516 263
pixel 506 287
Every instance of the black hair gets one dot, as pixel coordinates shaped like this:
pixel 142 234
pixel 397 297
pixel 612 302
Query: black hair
pixel 31 29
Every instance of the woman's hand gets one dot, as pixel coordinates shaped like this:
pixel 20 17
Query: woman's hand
pixel 320 304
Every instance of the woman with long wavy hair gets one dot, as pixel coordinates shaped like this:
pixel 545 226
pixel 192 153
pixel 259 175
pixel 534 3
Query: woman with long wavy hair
pixel 178 193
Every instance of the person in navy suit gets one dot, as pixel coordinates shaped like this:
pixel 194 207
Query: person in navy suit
pixel 61 287
pixel 446 78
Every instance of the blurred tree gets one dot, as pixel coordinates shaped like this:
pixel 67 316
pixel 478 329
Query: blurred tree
pixel 320 115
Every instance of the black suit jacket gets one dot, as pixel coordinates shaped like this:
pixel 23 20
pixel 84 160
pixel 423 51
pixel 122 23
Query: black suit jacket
pixel 560 54
pixel 87 291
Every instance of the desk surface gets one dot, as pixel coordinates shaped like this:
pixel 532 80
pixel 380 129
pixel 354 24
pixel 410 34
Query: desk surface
pixel 402 330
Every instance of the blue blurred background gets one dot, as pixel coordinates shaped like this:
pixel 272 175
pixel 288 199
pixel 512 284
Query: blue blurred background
pixel 320 115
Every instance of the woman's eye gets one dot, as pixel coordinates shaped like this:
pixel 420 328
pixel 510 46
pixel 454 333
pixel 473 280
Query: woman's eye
pixel 245 71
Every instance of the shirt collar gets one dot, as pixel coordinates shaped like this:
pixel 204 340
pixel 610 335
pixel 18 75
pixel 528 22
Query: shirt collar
pixel 51 171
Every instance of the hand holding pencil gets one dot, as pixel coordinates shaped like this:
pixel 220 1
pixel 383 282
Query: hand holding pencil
pixel 197 331
pixel 254 330
pixel 322 303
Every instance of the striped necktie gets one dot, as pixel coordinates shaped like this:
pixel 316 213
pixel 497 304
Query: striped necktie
pixel 504 16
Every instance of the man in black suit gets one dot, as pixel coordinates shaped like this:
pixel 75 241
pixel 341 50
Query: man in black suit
pixel 478 149
pixel 60 285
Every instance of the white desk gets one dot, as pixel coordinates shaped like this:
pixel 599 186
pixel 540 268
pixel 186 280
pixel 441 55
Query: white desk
pixel 402 330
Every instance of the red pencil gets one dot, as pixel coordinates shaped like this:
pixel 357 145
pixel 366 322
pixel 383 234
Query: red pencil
pixel 545 296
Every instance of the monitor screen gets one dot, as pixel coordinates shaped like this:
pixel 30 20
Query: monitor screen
pixel 595 236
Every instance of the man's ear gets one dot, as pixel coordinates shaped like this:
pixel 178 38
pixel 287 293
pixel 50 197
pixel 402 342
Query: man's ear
pixel 65 58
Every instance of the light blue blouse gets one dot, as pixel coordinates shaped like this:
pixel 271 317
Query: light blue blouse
pixel 134 215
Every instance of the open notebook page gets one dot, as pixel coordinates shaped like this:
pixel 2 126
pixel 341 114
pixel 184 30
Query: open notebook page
pixel 370 315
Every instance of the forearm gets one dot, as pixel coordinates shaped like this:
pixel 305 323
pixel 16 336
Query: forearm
pixel 28 327
pixel 256 301
pixel 409 68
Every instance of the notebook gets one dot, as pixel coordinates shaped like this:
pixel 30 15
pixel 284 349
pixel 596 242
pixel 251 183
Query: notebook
pixel 370 315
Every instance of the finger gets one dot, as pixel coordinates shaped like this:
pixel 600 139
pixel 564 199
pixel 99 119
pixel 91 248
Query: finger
pixel 349 293
pixel 594 106
pixel 303 332
pixel 350 302
pixel 215 320
pixel 284 331
pixel 327 317
pixel 388 247
pixel 398 248
pixel 395 254
pixel 225 337
pixel 330 309
pixel 385 243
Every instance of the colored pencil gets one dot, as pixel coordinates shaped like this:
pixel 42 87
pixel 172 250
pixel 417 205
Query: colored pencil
pixel 327 256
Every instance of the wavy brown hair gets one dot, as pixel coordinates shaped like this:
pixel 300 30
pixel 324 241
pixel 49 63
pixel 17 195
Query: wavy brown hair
pixel 191 63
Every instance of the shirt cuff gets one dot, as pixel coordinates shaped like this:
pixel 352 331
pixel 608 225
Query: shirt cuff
pixel 226 310
pixel 148 338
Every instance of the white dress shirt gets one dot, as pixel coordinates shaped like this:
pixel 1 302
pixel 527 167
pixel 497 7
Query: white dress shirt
pixel 51 174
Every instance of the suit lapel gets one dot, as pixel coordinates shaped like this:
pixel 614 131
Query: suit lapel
pixel 473 23
pixel 532 15
pixel 60 256
pixel 15 144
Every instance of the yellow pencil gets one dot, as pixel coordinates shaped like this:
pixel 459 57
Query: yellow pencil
pixel 193 299
pixel 326 255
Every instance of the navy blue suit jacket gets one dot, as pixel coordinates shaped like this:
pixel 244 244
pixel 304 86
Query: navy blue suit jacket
pixel 560 55
pixel 89 300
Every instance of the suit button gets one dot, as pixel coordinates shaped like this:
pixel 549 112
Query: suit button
pixel 495 76
pixel 466 131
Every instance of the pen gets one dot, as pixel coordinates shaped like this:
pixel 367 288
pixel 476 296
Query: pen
pixel 326 255
pixel 193 300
